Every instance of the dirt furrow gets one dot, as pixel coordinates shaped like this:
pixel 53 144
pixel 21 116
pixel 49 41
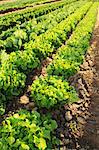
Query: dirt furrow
pixel 90 139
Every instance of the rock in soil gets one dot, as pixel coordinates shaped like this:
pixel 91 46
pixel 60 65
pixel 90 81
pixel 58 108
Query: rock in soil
pixel 24 100
pixel 68 116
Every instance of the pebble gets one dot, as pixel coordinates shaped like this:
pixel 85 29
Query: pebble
pixel 24 99
pixel 86 104
pixel 62 135
pixel 68 116
pixel 91 63
pixel 83 108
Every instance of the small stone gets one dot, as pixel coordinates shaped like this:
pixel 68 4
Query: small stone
pixel 80 81
pixel 91 63
pixel 83 108
pixel 62 135
pixel 68 116
pixel 24 99
pixel 86 104
pixel 85 65
pixel 73 108
pixel 81 120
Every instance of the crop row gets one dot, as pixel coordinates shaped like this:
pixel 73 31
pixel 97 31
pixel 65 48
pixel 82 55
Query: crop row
pixel 14 67
pixel 31 131
pixel 19 4
pixel 71 56
pixel 51 90
pixel 12 19
pixel 33 21
pixel 32 29
pixel 27 131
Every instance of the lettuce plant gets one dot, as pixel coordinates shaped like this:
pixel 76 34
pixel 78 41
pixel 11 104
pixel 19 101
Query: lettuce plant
pixel 51 90
pixel 27 131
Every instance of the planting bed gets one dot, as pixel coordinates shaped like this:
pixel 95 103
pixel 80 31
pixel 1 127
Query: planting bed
pixel 49 77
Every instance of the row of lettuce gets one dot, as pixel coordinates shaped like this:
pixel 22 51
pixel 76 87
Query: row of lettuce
pixel 15 18
pixel 33 22
pixel 20 4
pixel 27 131
pixel 15 66
pixel 30 30
pixel 50 90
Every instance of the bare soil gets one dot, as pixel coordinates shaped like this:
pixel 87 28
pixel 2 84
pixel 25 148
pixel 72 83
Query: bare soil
pixel 91 132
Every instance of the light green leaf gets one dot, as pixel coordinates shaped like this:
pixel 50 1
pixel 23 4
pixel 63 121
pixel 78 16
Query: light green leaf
pixel 24 146
pixel 11 140
pixel 42 144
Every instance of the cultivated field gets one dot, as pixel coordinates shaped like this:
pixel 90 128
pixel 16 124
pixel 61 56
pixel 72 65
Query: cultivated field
pixel 47 72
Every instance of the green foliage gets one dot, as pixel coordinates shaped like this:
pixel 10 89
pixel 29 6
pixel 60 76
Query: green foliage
pixel 15 42
pixel 53 38
pixel 30 130
pixel 71 55
pixel 49 91
pixel 31 29
pixel 27 131
pixel 13 19
pixel 66 69
pixel 2 110
pixel 16 65
pixel 23 61
pixel 20 4
pixel 11 80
